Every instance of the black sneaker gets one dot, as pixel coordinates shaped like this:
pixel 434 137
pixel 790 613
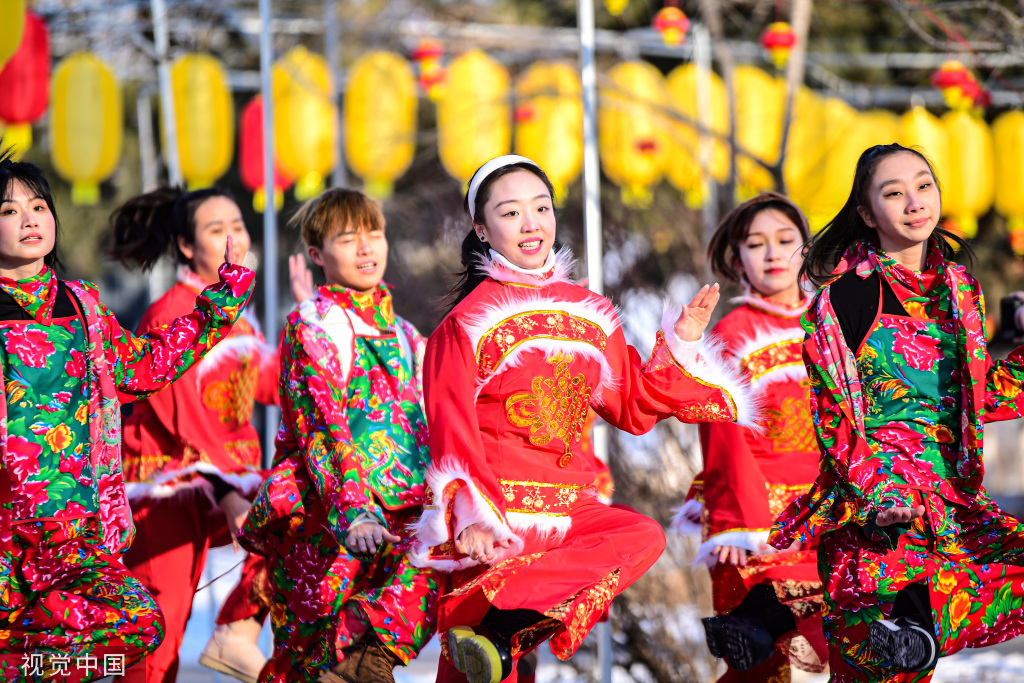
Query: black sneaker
pixel 905 643
pixel 740 640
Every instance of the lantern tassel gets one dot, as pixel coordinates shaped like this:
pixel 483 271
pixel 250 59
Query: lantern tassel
pixel 85 194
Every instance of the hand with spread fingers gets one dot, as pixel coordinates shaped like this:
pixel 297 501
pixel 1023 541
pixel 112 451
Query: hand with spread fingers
pixel 694 318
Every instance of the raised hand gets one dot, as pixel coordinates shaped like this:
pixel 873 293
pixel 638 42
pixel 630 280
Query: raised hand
pixel 229 253
pixel 694 318
pixel 300 278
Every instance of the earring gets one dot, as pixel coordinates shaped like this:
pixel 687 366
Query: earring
pixel 480 236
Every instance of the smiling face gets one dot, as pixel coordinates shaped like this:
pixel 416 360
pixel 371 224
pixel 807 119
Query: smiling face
pixel 353 258
pixel 770 256
pixel 28 231
pixel 903 203
pixel 215 219
pixel 518 219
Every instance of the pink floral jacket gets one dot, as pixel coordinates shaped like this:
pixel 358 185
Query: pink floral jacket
pixel 122 367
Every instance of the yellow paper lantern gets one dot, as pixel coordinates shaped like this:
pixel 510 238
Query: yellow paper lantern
pixel 924 132
pixel 549 122
pixel 205 118
pixel 633 130
pixel 86 124
pixel 474 115
pixel 305 120
pixel 1008 141
pixel 970 189
pixel 12 18
pixel 683 168
pixel 760 102
pixel 380 120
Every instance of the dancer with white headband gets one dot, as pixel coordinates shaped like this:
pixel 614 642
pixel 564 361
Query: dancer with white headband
pixel 512 517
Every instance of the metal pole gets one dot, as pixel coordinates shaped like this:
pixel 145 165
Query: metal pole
pixel 162 40
pixel 269 212
pixel 592 236
pixel 702 59
pixel 332 38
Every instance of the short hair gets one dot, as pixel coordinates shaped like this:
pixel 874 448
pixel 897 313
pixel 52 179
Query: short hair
pixel 735 227
pixel 335 211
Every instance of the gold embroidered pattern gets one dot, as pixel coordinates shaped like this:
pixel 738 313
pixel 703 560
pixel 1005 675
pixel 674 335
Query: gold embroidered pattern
pixel 555 408
pixel 772 357
pixel 789 426
pixel 535 497
pixel 502 339
pixel 234 398
pixel 579 613
pixel 781 495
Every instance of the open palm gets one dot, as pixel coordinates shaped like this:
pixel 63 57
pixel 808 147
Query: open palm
pixel 694 318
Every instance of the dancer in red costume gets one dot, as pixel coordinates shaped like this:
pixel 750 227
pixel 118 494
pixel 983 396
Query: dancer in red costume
pixel 750 476
pixel 192 450
pixel 512 515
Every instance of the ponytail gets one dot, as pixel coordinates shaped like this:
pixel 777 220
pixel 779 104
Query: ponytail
pixel 474 251
pixel 148 226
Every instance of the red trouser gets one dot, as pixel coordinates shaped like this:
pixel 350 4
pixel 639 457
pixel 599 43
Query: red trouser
pixel 173 537
pixel 572 581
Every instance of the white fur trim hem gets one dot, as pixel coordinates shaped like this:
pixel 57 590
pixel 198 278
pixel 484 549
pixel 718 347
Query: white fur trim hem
pixel 703 360
pixel 169 485
pixel 682 521
pixel 754 541
pixel 470 508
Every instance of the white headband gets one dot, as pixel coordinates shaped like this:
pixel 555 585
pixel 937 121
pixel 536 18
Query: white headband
pixel 487 169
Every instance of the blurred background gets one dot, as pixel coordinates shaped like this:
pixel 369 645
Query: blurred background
pixel 701 104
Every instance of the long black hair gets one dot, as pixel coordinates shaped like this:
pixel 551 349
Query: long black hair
pixel 148 225
pixel 825 249
pixel 32 177
pixel 473 249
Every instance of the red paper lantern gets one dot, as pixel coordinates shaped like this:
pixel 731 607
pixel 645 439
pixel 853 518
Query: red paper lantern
pixel 778 39
pixel 672 24
pixel 25 85
pixel 427 57
pixel 250 157
pixel 957 85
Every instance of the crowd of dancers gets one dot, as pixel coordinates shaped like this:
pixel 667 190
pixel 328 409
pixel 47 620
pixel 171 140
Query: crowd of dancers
pixel 445 485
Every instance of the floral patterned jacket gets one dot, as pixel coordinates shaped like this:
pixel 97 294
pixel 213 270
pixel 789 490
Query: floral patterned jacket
pixel 851 487
pixel 122 367
pixel 317 454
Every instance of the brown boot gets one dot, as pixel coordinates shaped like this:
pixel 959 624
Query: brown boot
pixel 368 661
pixel 234 650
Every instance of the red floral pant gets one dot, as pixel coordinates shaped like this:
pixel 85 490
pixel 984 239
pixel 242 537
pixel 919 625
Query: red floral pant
pixel 73 612
pixel 325 599
pixel 975 583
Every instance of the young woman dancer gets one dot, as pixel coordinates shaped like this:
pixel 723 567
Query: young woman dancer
pixel 512 514
pixel 192 449
pixel 768 604
pixel 65 598
pixel 917 560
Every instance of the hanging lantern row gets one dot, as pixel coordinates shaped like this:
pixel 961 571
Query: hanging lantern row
pixel 779 40
pixel 645 126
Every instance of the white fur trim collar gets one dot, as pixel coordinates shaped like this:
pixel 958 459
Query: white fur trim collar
pixel 764 338
pixel 556 269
